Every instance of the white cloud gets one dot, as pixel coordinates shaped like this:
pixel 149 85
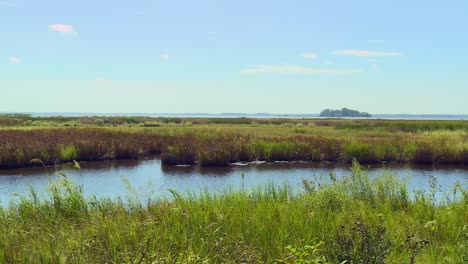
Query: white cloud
pixel 367 53
pixel 164 56
pixel 62 28
pixel 15 60
pixel 296 69
pixel 310 56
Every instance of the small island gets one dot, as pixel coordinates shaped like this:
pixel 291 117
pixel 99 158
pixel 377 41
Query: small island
pixel 345 112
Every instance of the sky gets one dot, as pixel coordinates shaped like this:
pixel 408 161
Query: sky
pixel 248 56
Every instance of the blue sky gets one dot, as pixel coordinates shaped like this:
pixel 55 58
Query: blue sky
pixel 234 56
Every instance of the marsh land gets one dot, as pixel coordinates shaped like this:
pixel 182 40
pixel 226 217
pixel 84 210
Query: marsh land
pixel 356 218
pixel 220 141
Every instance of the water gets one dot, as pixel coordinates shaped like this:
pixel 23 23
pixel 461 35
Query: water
pixel 258 115
pixel 149 179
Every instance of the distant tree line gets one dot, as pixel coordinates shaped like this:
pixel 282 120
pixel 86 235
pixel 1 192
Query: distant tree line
pixel 345 112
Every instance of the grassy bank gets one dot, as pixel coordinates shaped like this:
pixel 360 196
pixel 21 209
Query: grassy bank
pixel 217 142
pixel 355 220
pixel 53 146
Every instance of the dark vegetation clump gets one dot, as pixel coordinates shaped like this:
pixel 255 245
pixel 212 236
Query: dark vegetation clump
pixel 345 112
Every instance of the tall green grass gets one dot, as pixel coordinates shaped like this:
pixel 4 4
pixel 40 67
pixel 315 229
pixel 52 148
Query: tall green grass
pixel 353 220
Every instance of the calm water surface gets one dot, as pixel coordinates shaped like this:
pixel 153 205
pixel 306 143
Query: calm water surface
pixel 149 179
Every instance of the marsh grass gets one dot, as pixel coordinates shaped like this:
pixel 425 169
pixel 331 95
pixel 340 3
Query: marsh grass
pixel 53 146
pixel 218 142
pixel 357 219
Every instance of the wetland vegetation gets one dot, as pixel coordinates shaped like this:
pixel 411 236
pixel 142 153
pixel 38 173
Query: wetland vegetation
pixel 220 141
pixel 352 220
pixel 355 219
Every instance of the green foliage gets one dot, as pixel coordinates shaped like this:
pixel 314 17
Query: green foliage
pixel 305 255
pixel 68 153
pixel 358 218
pixel 362 152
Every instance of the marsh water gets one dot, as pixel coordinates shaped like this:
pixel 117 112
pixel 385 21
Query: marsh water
pixel 149 179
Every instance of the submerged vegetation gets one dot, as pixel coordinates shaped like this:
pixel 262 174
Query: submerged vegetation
pixel 218 142
pixel 352 220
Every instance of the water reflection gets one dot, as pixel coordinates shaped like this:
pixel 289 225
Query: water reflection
pixel 88 166
pixel 148 177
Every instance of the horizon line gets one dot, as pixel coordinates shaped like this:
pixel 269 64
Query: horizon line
pixel 222 113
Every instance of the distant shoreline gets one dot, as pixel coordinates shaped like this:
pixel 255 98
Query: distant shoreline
pixel 256 115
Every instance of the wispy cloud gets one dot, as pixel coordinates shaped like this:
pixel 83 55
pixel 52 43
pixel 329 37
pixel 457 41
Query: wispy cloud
pixel 6 4
pixel 62 28
pixel 164 56
pixel 367 53
pixel 103 81
pixel 296 69
pixel 15 60
pixel 310 56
